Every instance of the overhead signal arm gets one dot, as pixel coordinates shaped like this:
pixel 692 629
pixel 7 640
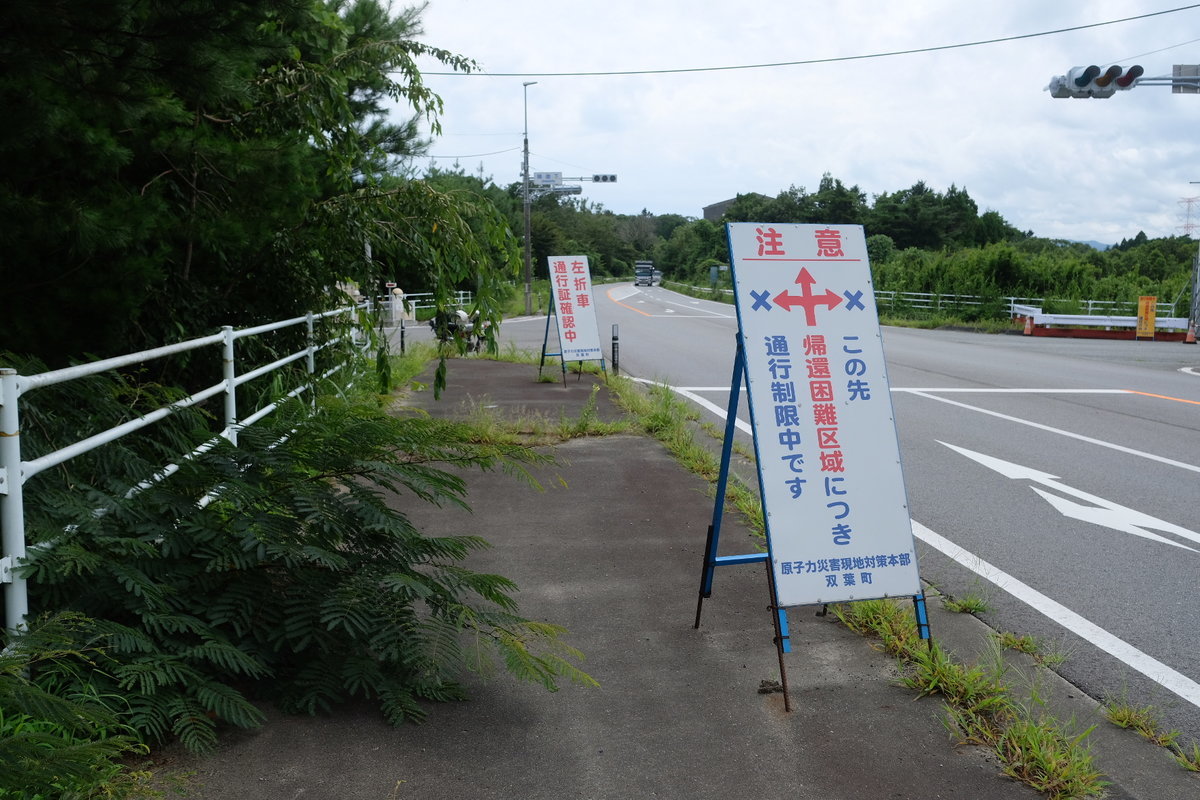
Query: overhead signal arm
pixel 1103 82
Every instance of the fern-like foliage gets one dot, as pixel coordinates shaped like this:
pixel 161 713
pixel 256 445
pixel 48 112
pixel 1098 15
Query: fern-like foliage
pixel 52 744
pixel 297 579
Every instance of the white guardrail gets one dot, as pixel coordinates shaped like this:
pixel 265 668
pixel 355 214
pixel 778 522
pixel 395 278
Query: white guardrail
pixel 1039 317
pixel 397 307
pixel 1096 313
pixel 15 472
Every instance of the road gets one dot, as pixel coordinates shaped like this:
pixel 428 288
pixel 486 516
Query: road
pixel 1056 478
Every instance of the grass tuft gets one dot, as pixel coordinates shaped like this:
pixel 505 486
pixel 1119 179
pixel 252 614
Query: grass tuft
pixel 980 709
pixel 1143 720
pixel 1188 759
pixel 969 603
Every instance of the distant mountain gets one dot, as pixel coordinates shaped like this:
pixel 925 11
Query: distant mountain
pixel 1096 245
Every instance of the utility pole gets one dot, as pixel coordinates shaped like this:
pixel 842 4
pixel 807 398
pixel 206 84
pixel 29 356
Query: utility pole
pixel 525 191
pixel 1194 312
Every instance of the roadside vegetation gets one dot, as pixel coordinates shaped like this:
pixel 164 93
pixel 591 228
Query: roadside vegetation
pixel 1144 721
pixel 982 706
pixel 919 240
pixel 298 580
pixel 244 161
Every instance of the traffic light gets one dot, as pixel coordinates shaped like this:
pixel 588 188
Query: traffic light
pixel 604 178
pixel 1093 81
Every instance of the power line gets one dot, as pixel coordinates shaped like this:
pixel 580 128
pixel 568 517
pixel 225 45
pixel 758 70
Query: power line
pixel 1159 50
pixel 832 60
pixel 478 155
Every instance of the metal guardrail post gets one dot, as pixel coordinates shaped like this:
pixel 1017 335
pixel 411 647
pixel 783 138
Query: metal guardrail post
pixel 312 347
pixel 229 371
pixel 12 503
pixel 616 351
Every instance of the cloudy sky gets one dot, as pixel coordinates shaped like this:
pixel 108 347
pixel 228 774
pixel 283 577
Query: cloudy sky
pixel 975 116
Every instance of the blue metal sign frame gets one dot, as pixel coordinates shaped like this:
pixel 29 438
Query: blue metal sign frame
pixel 829 246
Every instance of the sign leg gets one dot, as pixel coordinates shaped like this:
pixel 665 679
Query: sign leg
pixel 782 640
pixel 546 337
pixel 922 618
pixel 714 528
pixel 705 575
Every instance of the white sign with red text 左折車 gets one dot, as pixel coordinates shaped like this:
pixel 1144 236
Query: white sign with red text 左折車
pixel 571 297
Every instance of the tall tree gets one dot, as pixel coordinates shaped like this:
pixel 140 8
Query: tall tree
pixel 171 167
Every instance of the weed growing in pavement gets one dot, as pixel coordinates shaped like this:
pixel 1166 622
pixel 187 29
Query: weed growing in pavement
pixel 980 708
pixel 979 701
pixel 588 422
pixel 1022 644
pixel 890 621
pixel 1048 754
pixel 1143 720
pixel 969 603
pixel 1050 657
pixel 406 367
pixel 1047 657
pixel 488 426
pixel 1188 759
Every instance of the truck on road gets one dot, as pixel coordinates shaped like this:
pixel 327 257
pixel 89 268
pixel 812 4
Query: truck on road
pixel 643 273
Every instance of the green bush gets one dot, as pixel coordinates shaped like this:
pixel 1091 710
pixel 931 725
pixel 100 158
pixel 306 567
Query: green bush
pixel 67 745
pixel 281 568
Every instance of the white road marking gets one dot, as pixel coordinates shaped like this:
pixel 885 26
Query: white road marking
pixel 1152 668
pixel 693 307
pixel 1119 448
pixel 1102 512
pixel 1149 666
pixel 621 292
pixel 1190 371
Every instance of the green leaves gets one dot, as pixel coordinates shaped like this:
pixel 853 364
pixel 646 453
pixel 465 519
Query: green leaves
pixel 301 580
pixel 66 744
pixel 198 152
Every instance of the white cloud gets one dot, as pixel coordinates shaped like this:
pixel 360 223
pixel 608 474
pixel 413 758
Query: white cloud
pixel 976 117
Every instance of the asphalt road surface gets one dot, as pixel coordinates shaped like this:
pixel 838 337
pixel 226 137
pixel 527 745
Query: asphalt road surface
pixel 1056 478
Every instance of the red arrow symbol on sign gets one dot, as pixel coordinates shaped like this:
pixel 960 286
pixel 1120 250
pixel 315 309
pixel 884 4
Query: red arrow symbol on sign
pixel 806 298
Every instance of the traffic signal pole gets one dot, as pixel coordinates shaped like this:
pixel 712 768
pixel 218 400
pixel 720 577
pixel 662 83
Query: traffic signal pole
pixel 1194 316
pixel 1103 82
pixel 525 206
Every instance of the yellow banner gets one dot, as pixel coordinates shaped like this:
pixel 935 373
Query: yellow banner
pixel 1147 316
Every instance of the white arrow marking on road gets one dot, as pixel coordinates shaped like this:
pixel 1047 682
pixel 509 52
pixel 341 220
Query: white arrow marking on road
pixel 1102 512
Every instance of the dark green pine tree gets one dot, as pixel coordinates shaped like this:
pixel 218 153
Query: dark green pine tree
pixel 173 167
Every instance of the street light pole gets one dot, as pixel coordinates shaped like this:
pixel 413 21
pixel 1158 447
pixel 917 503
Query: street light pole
pixel 525 191
pixel 1194 311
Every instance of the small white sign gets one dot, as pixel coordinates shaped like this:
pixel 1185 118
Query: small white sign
pixel 571 288
pixel 836 511
pixel 546 178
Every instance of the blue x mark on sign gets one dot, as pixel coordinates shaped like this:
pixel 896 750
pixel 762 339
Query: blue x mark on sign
pixel 760 300
pixel 853 300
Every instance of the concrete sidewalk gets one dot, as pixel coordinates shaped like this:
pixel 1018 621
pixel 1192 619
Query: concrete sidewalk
pixel 612 550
